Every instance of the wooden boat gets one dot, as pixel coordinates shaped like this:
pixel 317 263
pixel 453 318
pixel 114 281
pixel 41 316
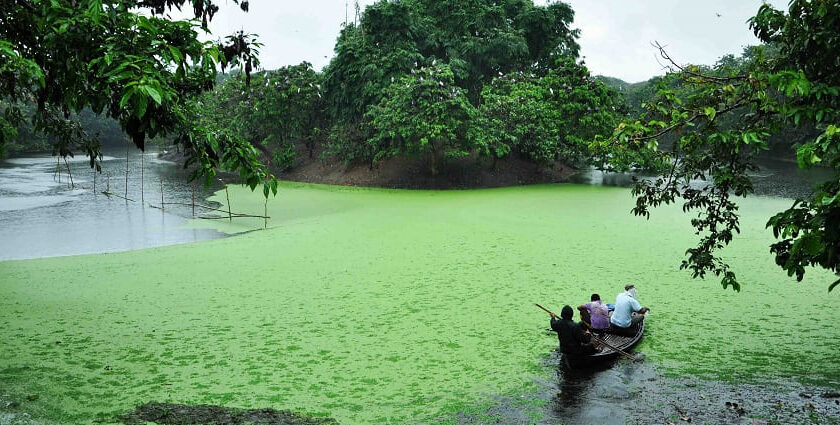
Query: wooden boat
pixel 625 343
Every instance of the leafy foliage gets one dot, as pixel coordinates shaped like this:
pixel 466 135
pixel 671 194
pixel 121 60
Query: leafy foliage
pixel 277 110
pixel 546 118
pixel 477 40
pixel 717 120
pixel 141 70
pixel 426 114
pixel 433 80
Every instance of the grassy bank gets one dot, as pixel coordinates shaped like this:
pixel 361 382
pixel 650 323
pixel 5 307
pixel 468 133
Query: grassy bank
pixel 377 306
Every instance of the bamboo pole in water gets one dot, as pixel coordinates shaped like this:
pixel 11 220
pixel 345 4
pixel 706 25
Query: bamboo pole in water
pixel 57 169
pixel 227 195
pixel 69 173
pixel 126 171
pixel 213 209
pixel 94 182
pixel 142 175
pixel 161 194
pixel 192 195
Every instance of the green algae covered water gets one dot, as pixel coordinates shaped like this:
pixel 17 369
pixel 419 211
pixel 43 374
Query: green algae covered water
pixel 380 306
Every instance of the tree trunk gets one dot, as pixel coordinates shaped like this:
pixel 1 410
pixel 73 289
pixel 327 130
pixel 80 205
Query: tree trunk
pixel 433 163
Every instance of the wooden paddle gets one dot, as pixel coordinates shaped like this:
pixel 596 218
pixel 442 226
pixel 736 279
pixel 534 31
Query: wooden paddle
pixel 599 340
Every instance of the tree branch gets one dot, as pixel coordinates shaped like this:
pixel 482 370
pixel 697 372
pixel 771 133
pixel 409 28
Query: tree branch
pixel 664 54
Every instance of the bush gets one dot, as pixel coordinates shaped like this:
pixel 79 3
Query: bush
pixel 285 157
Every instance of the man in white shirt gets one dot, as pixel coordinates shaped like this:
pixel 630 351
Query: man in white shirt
pixel 623 319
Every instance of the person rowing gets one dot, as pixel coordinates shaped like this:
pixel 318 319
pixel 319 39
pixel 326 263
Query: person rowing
pixel 574 341
pixel 628 311
pixel 558 325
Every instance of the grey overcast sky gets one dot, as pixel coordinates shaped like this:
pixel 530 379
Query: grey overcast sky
pixel 615 34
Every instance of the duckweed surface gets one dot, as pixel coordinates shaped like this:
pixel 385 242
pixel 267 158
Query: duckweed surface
pixel 378 306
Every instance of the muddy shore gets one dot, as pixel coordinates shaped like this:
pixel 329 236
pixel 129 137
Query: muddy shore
pixel 638 393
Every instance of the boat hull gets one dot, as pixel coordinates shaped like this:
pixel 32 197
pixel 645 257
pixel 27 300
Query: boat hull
pixel 607 354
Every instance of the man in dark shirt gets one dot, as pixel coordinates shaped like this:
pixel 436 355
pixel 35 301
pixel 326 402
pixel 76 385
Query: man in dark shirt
pixel 573 340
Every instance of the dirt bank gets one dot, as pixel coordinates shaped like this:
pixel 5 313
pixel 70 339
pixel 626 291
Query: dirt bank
pixel 410 173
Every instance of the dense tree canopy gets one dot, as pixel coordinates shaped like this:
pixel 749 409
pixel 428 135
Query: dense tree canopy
pixel 277 110
pixel 112 57
pixel 478 39
pixel 502 54
pixel 426 114
pixel 720 119
pixel 434 80
pixel 549 117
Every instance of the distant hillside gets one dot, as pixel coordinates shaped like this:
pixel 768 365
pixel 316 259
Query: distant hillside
pixel 634 93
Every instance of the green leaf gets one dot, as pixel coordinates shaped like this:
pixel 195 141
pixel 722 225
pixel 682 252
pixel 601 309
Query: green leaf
pixel 95 10
pixel 176 54
pixel 806 157
pixel 125 98
pixel 140 106
pixel 153 93
pixel 710 112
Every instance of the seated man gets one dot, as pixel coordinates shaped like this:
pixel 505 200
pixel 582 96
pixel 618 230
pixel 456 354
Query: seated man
pixel 573 340
pixel 595 314
pixel 624 317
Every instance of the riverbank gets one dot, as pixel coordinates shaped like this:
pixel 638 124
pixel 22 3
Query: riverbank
pixel 411 173
pixel 372 306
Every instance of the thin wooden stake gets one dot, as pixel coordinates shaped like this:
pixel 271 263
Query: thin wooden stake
pixel 142 177
pixel 192 195
pixel 237 215
pixel 58 168
pixel 227 195
pixel 94 182
pixel 70 174
pixel 126 171
pixel 161 194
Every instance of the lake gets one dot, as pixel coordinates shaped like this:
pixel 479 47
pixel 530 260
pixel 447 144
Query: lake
pixel 392 306
pixel 42 215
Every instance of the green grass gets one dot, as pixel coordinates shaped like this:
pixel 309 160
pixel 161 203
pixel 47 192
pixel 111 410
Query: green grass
pixel 377 306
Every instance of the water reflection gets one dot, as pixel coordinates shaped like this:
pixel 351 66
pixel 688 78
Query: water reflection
pixel 774 178
pixel 43 214
pixel 602 395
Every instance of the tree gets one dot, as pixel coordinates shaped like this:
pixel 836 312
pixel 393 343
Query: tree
pixel 277 110
pixel 794 81
pixel 476 39
pixel 546 118
pixel 424 114
pixel 109 56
